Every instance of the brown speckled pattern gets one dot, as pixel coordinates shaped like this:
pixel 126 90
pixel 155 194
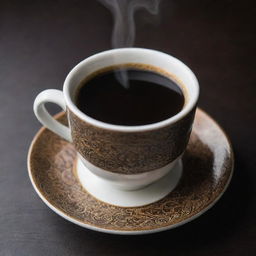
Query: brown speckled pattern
pixel 208 163
pixel 130 153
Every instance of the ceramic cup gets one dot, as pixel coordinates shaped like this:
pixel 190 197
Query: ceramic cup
pixel 129 157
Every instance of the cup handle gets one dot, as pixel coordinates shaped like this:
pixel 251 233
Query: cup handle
pixel 43 116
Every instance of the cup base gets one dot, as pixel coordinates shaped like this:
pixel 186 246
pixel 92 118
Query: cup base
pixel 105 191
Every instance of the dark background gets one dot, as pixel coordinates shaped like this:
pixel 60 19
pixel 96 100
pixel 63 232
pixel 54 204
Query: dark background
pixel 40 41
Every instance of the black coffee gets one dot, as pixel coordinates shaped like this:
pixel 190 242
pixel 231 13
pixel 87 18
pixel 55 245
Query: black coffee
pixel 145 97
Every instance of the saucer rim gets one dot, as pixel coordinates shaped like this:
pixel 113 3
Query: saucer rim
pixel 128 232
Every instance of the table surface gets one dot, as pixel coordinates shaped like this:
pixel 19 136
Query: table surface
pixel 40 41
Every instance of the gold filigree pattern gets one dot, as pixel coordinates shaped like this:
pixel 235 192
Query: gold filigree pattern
pixel 130 153
pixel 207 170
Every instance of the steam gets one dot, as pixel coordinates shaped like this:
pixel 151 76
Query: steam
pixel 123 12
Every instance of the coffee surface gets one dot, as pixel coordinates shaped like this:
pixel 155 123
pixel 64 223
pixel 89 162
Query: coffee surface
pixel 129 96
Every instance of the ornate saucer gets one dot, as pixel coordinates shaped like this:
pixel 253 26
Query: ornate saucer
pixel 207 170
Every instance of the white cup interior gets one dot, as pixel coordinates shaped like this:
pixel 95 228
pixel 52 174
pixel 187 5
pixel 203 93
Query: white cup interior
pixel 121 56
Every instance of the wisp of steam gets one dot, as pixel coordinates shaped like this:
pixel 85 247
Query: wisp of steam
pixel 124 24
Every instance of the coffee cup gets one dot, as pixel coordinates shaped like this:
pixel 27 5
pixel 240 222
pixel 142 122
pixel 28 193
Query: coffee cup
pixel 128 157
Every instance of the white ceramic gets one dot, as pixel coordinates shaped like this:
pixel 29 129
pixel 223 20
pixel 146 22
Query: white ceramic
pixel 101 60
pixel 111 194
pixel 207 170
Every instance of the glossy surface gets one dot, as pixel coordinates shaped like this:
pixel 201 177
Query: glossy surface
pixel 128 96
pixel 207 169
pixel 108 192
pixel 42 41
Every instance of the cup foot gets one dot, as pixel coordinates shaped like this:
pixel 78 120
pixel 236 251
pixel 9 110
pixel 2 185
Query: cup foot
pixel 106 192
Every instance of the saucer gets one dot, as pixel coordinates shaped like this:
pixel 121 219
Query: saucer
pixel 207 170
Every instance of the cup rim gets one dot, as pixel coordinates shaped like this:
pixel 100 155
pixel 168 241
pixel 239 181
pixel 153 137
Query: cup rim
pixel 125 128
